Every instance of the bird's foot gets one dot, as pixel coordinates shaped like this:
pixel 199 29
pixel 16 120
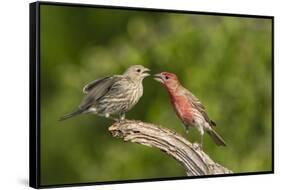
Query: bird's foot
pixel 200 146
pixel 122 117
pixel 122 120
pixel 197 146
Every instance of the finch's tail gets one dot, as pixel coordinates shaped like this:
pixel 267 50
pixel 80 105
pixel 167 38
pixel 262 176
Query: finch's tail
pixel 71 115
pixel 216 137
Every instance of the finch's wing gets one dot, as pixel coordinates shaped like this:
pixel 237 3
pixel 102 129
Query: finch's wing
pixel 88 87
pixel 200 107
pixel 97 89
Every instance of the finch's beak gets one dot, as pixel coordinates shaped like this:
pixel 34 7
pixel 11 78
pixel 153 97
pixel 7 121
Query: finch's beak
pixel 145 72
pixel 158 77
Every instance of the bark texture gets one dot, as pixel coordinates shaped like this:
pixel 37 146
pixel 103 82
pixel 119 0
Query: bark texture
pixel 190 156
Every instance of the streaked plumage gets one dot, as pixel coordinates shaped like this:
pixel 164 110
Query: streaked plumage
pixel 113 95
pixel 188 108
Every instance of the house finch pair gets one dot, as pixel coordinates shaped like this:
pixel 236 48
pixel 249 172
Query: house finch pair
pixel 120 93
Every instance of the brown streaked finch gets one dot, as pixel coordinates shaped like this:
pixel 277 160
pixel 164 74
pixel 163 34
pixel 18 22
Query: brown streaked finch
pixel 188 108
pixel 113 95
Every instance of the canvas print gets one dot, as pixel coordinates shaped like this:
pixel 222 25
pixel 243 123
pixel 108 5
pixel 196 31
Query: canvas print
pixel 144 94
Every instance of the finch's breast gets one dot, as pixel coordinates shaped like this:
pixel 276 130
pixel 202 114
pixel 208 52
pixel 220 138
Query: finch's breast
pixel 121 99
pixel 183 109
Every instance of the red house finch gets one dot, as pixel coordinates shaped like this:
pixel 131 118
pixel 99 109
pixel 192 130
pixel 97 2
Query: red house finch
pixel 188 108
pixel 113 95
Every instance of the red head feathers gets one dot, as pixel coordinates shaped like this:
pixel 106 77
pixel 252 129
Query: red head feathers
pixel 169 80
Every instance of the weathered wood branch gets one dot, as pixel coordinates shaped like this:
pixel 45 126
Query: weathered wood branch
pixel 190 156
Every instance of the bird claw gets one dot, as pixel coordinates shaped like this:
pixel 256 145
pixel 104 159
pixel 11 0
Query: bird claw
pixel 121 121
pixel 197 146
pixel 122 116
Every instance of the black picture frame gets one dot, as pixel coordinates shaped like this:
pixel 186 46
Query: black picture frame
pixel 34 97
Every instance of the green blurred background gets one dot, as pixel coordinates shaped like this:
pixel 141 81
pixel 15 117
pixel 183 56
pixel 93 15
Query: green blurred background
pixel 225 61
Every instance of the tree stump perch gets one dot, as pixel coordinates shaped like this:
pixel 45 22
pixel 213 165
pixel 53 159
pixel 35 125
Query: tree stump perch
pixel 190 156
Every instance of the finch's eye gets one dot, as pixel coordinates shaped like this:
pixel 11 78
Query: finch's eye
pixel 138 70
pixel 166 77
